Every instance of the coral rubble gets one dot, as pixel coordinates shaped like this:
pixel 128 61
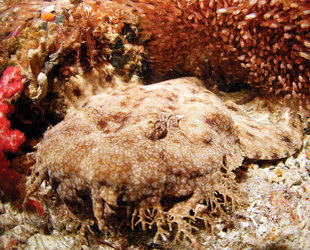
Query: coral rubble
pixel 165 153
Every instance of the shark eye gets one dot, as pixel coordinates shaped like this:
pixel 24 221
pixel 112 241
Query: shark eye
pixel 159 130
pixel 159 125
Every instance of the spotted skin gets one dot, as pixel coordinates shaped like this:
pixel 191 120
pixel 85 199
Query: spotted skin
pixel 170 148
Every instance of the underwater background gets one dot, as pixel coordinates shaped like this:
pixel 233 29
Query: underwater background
pixel 254 55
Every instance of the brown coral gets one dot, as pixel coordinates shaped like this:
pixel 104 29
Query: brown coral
pixel 163 154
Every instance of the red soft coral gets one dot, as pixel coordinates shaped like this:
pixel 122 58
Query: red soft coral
pixel 11 82
pixel 10 139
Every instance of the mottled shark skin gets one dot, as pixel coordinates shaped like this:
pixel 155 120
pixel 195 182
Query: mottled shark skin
pixel 263 141
pixel 165 153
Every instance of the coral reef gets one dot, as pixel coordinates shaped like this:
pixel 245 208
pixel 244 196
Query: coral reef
pixel 165 153
pixel 22 28
pixel 70 43
pixel 37 57
pixel 68 51
pixel 227 43
pixel 10 139
pixel 265 43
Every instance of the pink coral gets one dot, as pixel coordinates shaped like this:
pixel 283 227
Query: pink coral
pixel 10 139
pixel 10 83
